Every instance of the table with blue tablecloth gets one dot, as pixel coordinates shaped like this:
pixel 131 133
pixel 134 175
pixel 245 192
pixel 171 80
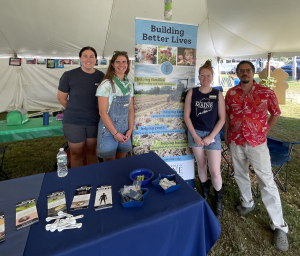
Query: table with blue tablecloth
pixel 178 223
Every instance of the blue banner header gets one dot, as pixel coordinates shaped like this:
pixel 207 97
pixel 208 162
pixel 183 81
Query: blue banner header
pixel 165 33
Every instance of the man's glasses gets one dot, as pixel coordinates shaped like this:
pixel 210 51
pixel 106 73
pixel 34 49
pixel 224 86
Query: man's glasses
pixel 248 71
pixel 120 52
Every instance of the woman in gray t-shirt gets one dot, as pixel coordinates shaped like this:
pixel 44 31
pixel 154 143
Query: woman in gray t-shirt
pixel 76 92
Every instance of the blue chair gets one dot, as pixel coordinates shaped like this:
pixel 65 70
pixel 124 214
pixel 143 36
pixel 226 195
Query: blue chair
pixel 281 154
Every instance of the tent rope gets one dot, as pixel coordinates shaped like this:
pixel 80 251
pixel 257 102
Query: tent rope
pixel 1 32
pixel 108 29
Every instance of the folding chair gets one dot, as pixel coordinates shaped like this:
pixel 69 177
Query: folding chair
pixel 2 152
pixel 225 149
pixel 281 154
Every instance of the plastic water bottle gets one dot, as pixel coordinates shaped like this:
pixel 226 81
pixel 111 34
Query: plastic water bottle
pixel 62 160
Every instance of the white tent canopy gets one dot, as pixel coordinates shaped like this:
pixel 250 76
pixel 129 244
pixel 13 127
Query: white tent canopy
pixel 59 29
pixel 231 28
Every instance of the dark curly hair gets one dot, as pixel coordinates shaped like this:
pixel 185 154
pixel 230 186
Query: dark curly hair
pixel 245 62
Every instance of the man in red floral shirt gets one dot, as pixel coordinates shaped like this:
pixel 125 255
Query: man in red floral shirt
pixel 245 130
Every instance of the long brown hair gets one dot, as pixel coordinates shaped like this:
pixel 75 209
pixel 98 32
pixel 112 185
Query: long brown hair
pixel 207 65
pixel 110 73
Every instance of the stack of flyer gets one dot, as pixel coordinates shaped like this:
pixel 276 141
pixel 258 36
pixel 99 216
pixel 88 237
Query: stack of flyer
pixel 2 227
pixel 103 198
pixel 81 198
pixel 26 214
pixel 56 202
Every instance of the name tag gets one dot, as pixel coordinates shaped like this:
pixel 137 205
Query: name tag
pixel 125 106
pixel 97 84
pixel 213 96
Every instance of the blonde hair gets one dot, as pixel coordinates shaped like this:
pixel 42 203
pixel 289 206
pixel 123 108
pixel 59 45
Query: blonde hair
pixel 188 50
pixel 207 65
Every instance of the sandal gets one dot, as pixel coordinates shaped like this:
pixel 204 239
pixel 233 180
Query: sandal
pixel 280 240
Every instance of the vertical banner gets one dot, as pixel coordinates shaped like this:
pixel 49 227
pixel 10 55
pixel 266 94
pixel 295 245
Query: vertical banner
pixel 165 63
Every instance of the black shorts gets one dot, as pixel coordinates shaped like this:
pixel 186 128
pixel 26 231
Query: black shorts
pixel 79 133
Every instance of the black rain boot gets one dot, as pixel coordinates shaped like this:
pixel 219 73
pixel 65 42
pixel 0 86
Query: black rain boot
pixel 218 210
pixel 205 189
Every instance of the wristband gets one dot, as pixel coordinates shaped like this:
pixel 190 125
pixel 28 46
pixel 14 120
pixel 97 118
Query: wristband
pixel 115 134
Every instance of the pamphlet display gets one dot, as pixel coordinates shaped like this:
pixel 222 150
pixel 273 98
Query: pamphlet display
pixel 81 198
pixel 26 214
pixel 56 202
pixel 103 199
pixel 2 227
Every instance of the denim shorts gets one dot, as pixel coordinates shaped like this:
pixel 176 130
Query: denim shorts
pixel 108 146
pixel 202 134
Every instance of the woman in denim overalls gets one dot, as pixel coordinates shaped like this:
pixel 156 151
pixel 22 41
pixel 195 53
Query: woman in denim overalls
pixel 115 100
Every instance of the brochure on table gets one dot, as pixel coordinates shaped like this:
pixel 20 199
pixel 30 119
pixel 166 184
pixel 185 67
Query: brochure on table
pixel 81 198
pixel 103 197
pixel 26 214
pixel 56 202
pixel 2 227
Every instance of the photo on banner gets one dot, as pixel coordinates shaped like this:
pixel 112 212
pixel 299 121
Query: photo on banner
pixel 165 58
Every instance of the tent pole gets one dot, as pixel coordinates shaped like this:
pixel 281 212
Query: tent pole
pixel 168 10
pixel 269 68
pixel 219 72
pixel 294 69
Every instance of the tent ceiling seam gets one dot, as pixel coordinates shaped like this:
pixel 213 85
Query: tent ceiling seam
pixel 211 38
pixel 110 19
pixel 240 37
pixel 206 7
pixel 6 40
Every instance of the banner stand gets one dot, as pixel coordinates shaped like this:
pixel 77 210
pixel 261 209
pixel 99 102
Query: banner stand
pixel 165 65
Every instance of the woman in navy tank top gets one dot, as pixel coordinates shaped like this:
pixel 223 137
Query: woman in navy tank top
pixel 204 115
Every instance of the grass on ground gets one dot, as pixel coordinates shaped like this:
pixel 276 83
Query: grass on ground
pixel 240 236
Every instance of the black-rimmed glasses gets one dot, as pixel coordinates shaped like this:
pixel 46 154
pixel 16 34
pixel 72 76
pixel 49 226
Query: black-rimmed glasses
pixel 248 71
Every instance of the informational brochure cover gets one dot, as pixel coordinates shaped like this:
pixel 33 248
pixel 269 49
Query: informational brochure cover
pixel 2 227
pixel 81 198
pixel 26 214
pixel 103 198
pixel 56 202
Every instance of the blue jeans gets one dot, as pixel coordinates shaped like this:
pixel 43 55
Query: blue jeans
pixel 107 146
pixel 216 145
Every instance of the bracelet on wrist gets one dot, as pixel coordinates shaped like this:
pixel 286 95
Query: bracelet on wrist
pixel 115 134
